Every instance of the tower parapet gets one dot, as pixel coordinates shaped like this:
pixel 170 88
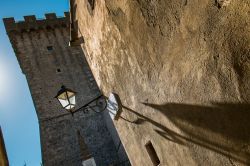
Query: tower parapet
pixel 31 23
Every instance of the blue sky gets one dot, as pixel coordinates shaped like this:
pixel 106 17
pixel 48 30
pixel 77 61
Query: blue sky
pixel 17 114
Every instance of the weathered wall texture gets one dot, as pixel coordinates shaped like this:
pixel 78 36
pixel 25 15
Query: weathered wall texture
pixel 48 62
pixel 182 71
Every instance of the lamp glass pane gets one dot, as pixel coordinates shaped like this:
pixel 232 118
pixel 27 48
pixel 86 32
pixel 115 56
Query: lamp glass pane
pixel 63 99
pixel 62 96
pixel 70 94
pixel 72 100
pixel 64 103
pixel 69 107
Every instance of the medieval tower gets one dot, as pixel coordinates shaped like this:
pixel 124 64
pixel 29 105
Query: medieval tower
pixel 48 62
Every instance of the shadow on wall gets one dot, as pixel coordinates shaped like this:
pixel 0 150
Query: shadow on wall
pixel 223 127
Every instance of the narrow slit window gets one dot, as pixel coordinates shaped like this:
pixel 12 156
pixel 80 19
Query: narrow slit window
pixel 152 154
pixel 58 70
pixel 49 48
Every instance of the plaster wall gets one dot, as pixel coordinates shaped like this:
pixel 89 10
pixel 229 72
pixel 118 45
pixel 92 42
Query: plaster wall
pixel 182 71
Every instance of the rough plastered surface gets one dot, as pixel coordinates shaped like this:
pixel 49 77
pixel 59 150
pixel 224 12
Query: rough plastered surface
pixel 182 71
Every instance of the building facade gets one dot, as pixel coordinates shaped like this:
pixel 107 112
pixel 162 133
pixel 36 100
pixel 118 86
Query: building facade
pixel 3 155
pixel 182 71
pixel 42 49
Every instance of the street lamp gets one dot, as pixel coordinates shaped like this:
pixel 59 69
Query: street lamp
pixel 67 99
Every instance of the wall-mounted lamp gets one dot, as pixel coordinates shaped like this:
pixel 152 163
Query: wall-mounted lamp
pixel 67 99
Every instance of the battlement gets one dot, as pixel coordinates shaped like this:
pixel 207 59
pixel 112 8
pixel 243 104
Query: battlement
pixel 31 23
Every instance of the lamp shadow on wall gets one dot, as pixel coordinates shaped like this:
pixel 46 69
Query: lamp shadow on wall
pixel 223 127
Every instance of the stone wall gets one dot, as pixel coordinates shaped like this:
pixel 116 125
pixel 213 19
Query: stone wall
pixel 182 71
pixel 42 48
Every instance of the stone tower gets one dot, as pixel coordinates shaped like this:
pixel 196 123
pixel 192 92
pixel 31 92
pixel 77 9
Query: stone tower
pixel 42 49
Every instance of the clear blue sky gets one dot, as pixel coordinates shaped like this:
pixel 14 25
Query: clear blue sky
pixel 17 114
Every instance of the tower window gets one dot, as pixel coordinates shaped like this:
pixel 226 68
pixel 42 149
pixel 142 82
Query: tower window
pixel 58 70
pixel 152 154
pixel 50 48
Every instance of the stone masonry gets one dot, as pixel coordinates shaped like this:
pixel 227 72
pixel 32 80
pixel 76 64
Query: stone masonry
pixel 42 49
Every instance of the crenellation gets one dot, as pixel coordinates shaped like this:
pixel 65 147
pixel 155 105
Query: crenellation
pixel 31 23
pixel 66 14
pixel 30 19
pixel 51 16
pixel 10 24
